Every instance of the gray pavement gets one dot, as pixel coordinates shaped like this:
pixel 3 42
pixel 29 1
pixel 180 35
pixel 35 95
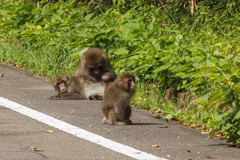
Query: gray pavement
pixel 19 132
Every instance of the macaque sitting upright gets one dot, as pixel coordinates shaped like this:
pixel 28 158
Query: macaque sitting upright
pixel 116 101
pixel 95 63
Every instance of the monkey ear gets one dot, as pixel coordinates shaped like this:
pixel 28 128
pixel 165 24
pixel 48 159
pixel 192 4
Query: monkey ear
pixel 119 81
pixel 69 77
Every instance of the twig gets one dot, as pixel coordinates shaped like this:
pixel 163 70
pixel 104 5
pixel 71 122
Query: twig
pixel 166 10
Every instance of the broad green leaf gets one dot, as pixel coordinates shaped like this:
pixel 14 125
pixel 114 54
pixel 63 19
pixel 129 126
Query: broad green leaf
pixel 132 25
pixel 49 9
pixel 216 97
pixel 234 72
pixel 111 34
pixel 162 43
pixel 237 25
pixel 205 70
pixel 135 57
pixel 179 74
pixel 209 63
pixel 178 67
pixel 136 32
pixel 184 82
pixel 151 49
pixel 82 51
pixel 44 1
pixel 167 117
pixel 17 21
pixel 218 116
pixel 164 67
pixel 67 4
pixel 225 66
pixel 166 57
pixel 115 27
pixel 89 16
pixel 125 33
pixel 121 51
pixel 238 132
pixel 57 17
pixel 237 116
pixel 202 99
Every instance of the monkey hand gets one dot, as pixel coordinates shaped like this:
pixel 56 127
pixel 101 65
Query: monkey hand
pixel 95 97
pixel 105 77
pixel 54 97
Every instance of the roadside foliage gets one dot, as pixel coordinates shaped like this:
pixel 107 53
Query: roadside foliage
pixel 192 47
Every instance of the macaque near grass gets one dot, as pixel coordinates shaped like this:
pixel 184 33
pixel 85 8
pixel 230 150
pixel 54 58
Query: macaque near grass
pixel 77 88
pixel 116 101
pixel 95 63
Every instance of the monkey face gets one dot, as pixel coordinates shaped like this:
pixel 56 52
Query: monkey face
pixel 62 87
pixel 95 70
pixel 131 83
pixel 127 81
pixel 60 83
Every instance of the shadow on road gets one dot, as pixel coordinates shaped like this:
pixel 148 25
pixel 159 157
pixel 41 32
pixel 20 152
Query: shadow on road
pixel 223 144
pixel 146 124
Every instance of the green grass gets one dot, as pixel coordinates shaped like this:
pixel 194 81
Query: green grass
pixel 185 54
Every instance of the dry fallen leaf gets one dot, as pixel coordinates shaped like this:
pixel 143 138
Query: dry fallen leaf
pixel 174 119
pixel 210 156
pixel 188 151
pixel 220 135
pixel 33 147
pixel 205 133
pixel 157 116
pixel 49 131
pixel 155 146
pixel 135 120
pixel 163 127
pixel 37 150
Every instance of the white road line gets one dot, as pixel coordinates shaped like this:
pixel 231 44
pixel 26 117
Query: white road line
pixel 76 131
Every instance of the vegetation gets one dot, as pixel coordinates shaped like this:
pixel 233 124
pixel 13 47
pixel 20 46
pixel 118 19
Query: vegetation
pixel 180 44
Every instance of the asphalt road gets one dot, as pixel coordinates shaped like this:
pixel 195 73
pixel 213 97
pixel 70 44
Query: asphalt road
pixel 19 132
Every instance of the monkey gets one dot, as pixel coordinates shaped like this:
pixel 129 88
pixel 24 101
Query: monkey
pixel 95 63
pixel 116 100
pixel 77 88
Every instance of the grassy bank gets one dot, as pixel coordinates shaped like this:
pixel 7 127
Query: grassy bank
pixel 168 45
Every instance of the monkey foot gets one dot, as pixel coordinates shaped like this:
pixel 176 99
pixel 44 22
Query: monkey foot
pixel 95 97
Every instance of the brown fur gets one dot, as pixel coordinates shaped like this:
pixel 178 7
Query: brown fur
pixel 95 59
pixel 77 88
pixel 115 105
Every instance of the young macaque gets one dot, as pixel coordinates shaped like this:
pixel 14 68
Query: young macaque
pixel 77 88
pixel 95 63
pixel 116 100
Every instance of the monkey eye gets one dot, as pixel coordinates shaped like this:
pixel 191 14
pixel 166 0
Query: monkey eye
pixel 99 67
pixel 91 69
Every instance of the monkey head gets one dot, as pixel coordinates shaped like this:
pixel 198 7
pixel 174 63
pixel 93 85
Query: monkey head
pixel 126 81
pixel 94 62
pixel 60 83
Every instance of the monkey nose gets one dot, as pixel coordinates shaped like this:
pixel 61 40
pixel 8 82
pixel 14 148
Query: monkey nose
pixel 96 70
